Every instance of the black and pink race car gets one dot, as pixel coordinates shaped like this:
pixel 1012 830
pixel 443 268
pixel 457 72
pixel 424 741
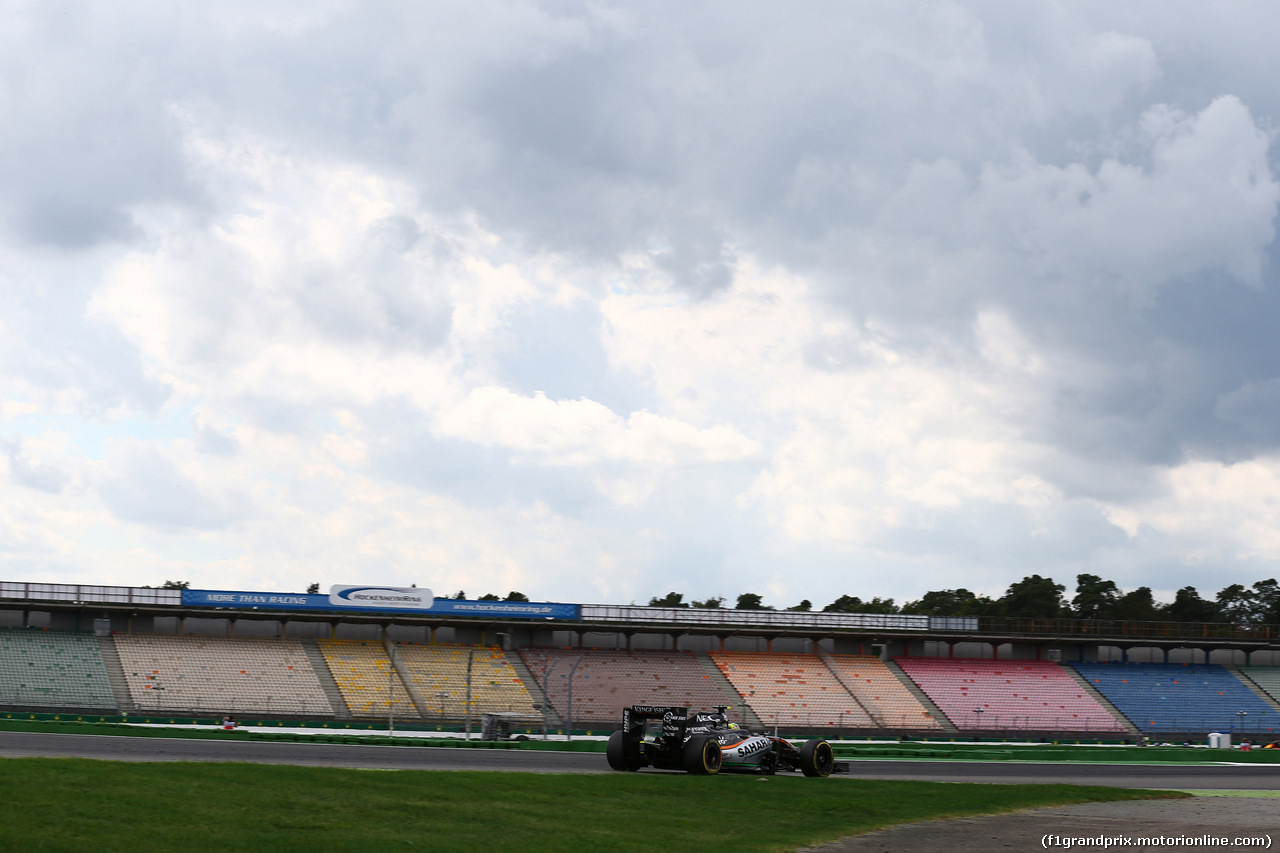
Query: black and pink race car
pixel 668 738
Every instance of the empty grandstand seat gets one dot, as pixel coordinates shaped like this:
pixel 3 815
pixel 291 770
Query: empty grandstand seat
pixel 1265 678
pixel 439 672
pixel 364 676
pixel 217 675
pixel 1008 694
pixel 1171 697
pixel 52 669
pixel 791 689
pixel 880 692
pixel 606 681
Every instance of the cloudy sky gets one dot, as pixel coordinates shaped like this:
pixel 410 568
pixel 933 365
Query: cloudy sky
pixel 598 300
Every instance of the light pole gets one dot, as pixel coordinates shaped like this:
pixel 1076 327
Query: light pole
pixel 569 707
pixel 442 695
pixel 471 653
pixel 391 690
pixel 977 719
pixel 546 693
pixel 1242 715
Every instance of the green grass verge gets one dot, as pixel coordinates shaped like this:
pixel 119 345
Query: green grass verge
pixel 78 804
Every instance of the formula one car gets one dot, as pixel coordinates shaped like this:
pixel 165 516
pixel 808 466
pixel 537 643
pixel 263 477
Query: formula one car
pixel 666 737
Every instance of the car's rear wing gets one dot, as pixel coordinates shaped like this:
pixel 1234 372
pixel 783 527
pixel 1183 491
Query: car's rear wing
pixel 675 720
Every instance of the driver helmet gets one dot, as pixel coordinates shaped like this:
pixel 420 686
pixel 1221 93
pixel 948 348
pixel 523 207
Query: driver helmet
pixel 733 725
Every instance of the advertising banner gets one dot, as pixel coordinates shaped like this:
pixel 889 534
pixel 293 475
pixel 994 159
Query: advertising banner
pixel 381 597
pixel 381 600
pixel 269 600
pixel 512 609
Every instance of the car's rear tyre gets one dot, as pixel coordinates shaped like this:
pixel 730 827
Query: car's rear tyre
pixel 817 758
pixel 702 755
pixel 616 752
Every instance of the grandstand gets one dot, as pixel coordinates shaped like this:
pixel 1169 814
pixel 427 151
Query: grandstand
pixel 439 674
pixel 1170 698
pixel 57 670
pixel 792 689
pixel 364 675
pixel 1015 695
pixel 1265 678
pixel 220 675
pixel 279 656
pixel 605 682
pixel 886 700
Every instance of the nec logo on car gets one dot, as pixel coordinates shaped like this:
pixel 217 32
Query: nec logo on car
pixel 382 597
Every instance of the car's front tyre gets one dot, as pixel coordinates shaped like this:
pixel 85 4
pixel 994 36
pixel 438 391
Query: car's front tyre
pixel 817 758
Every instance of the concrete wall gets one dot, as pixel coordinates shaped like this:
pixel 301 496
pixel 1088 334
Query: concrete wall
pixel 208 627
pixel 1228 657
pixel 409 633
pixel 847 646
pixel 305 630
pixel 358 632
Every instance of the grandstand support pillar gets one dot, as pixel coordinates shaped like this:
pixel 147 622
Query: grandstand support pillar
pixel 231 627
pixel 951 649
pixel 995 651
pixel 1124 654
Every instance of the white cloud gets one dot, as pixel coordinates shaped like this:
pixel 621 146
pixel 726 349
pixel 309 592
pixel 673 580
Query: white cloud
pixel 35 475
pixel 1205 203
pixel 1231 510
pixel 856 448
pixel 598 301
pixel 583 432
pixel 142 484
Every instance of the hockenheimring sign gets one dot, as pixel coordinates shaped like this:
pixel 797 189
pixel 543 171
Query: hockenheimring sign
pixel 381 597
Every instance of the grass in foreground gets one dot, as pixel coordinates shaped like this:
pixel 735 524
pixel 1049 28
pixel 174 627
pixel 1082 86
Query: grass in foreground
pixel 76 804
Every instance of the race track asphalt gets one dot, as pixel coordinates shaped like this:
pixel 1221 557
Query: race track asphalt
pixel 119 748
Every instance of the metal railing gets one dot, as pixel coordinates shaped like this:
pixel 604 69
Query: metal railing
pixel 708 617
pixel 1118 628
pixel 89 594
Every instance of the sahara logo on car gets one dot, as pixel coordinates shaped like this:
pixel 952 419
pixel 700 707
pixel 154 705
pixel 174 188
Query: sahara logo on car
pixel 748 748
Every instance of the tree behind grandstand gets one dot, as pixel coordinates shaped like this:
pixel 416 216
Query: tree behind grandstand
pixel 1037 597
